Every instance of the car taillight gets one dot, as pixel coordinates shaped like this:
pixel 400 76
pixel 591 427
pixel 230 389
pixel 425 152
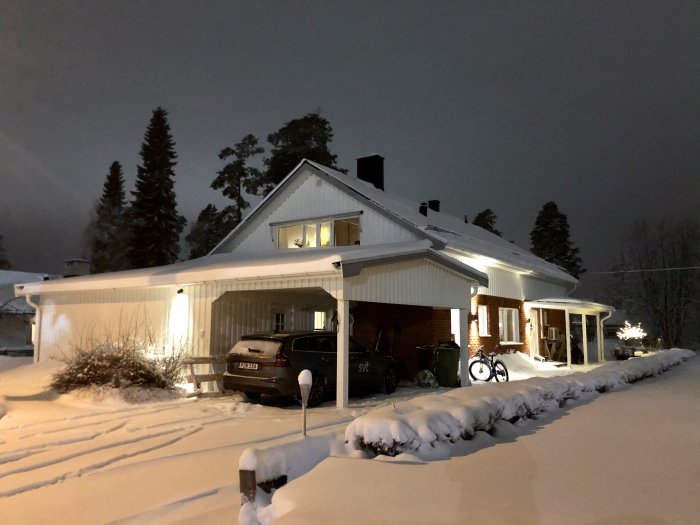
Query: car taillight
pixel 281 360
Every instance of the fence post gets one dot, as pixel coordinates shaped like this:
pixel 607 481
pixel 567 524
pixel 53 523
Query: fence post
pixel 248 486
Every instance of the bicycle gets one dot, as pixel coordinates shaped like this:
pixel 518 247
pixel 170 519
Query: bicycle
pixel 485 368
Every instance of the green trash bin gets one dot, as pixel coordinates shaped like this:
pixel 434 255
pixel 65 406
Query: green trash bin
pixel 448 364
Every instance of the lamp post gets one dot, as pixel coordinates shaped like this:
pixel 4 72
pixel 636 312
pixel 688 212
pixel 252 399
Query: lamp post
pixel 305 380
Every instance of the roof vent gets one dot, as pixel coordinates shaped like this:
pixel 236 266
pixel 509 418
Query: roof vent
pixel 371 169
pixel 423 209
pixel 434 205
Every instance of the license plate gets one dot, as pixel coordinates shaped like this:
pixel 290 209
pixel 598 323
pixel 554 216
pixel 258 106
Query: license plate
pixel 248 366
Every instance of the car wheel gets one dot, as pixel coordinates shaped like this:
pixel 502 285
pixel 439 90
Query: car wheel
pixel 391 380
pixel 252 396
pixel 318 391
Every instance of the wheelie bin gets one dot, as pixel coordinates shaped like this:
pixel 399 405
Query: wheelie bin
pixel 448 364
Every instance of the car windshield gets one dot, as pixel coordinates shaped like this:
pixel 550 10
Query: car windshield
pixel 256 347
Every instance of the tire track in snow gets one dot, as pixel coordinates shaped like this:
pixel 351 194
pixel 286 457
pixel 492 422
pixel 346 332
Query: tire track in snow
pixel 96 465
pixel 41 447
pixel 122 414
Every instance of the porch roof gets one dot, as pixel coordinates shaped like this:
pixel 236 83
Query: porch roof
pixel 573 305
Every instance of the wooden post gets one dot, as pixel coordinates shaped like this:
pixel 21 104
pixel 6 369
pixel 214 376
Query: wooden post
pixel 343 355
pixel 248 486
pixel 464 347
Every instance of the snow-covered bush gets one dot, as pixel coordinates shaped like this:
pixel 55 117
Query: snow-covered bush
pixel 118 365
pixel 431 423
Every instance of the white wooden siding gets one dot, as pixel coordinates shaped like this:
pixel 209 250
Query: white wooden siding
pixel 70 319
pixel 534 288
pixel 503 283
pixel 310 196
pixel 420 283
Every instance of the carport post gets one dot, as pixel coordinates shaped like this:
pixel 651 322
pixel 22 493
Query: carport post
pixel 343 356
pixel 464 348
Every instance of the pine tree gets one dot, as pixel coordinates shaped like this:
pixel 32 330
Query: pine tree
pixel 4 261
pixel 550 240
pixel 154 223
pixel 303 138
pixel 107 230
pixel 236 177
pixel 486 220
pixel 209 229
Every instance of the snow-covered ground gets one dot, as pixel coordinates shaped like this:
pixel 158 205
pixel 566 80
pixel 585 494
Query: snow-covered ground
pixel 100 459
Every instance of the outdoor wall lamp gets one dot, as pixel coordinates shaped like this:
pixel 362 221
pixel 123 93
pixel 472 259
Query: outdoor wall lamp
pixel 180 290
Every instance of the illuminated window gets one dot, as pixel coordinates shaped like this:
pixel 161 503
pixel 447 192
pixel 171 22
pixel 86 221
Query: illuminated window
pixel 509 325
pixel 484 320
pixel 319 320
pixel 337 232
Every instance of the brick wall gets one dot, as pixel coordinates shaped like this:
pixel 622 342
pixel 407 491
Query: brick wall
pixel 491 342
pixel 403 328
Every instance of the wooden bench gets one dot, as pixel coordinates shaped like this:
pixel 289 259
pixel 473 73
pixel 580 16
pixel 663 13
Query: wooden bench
pixel 198 379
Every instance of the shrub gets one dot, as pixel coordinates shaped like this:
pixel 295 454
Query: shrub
pixel 119 366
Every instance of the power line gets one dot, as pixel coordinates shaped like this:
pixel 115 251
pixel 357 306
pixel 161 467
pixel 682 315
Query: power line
pixel 647 270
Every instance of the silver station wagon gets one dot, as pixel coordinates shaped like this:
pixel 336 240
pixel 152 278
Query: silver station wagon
pixel 270 363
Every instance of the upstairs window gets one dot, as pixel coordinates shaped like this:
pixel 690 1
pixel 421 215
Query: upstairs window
pixel 319 234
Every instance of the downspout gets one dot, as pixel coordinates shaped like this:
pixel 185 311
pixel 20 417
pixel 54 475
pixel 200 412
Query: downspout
pixel 37 324
pixel 601 332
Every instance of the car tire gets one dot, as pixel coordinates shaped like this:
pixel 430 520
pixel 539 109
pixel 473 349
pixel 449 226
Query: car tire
pixel 318 391
pixel 390 380
pixel 252 396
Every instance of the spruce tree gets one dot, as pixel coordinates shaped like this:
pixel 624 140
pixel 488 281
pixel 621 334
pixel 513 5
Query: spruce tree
pixel 550 240
pixel 209 229
pixel 107 229
pixel 154 223
pixel 4 261
pixel 236 177
pixel 486 220
pixel 303 138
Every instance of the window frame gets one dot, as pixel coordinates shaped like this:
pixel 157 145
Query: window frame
pixel 318 224
pixel 484 319
pixel 514 321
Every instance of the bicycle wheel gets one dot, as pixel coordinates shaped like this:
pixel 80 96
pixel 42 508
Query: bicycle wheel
pixel 500 371
pixel 480 371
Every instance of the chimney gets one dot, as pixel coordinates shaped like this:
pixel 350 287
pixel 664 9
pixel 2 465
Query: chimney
pixel 434 205
pixel 371 169
pixel 76 267
pixel 423 209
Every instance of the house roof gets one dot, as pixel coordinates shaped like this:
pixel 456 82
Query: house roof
pixel 8 303
pixel 442 229
pixel 233 266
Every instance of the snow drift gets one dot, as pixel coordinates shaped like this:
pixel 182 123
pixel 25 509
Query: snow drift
pixel 425 425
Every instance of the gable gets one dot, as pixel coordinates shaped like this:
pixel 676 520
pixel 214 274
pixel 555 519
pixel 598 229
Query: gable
pixel 308 195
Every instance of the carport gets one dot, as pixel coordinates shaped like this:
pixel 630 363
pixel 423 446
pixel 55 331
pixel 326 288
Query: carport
pixel 401 274
pixel 192 304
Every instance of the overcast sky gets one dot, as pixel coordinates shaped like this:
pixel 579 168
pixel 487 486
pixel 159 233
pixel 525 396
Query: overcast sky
pixel 502 105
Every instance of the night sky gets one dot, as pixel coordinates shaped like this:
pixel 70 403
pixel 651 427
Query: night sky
pixel 502 105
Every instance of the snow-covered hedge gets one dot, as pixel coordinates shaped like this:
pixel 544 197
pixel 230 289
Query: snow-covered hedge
pixel 423 424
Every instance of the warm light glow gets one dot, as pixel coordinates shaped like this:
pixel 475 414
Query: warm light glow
pixel 631 332
pixel 178 320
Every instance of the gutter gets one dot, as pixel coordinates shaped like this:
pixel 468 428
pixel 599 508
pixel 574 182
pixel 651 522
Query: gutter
pixel 37 324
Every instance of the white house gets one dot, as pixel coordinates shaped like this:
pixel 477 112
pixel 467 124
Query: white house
pixel 326 249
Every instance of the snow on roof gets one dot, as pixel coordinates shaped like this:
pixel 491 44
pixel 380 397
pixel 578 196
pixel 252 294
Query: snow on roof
pixel 567 302
pixel 451 231
pixel 235 266
pixel 12 277
pixel 16 306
